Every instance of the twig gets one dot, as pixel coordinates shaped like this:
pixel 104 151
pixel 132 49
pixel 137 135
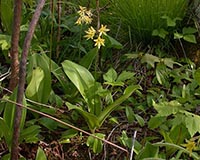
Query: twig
pixel 22 76
pixel 66 124
pixel 5 75
pixel 109 138
pixel 133 145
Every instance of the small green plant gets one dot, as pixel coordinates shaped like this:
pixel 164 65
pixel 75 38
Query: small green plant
pixel 92 92
pixel 188 33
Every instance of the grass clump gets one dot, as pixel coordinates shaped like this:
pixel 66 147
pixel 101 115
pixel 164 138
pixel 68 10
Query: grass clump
pixel 144 16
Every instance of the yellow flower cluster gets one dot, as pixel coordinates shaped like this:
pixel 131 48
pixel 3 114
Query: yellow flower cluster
pixel 99 41
pixel 85 16
pixel 190 145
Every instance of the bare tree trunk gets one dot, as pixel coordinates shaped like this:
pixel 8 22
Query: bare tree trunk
pixel 14 45
pixel 22 76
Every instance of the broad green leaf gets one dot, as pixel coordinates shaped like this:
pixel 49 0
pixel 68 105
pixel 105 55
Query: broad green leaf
pixel 106 112
pixel 90 119
pixel 169 62
pixel 79 76
pixel 140 120
pixel 95 144
pixel 125 76
pixel 179 133
pixel 70 133
pixel 32 90
pixel 178 35
pixel 167 108
pixel 110 76
pixel 40 155
pixel 149 151
pixel 178 119
pixel 113 43
pixel 44 90
pixel 88 59
pixel 197 76
pixel 130 114
pixel 114 83
pixel 48 123
pixel 150 59
pixel 189 30
pixel 193 124
pixel 156 121
pixel 190 38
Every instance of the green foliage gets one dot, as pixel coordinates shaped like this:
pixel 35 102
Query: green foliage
pixel 187 34
pixel 146 16
pixel 149 151
pixel 94 115
pixel 40 155
pixel 95 144
pixel 112 79
pixel 6 10
pixel 5 41
pixel 145 91
pixel 7 121
pixel 39 79
pixel 30 134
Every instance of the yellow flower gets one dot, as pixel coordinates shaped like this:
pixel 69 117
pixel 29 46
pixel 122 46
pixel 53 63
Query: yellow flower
pixel 87 19
pixel 103 30
pixel 84 16
pixel 90 33
pixel 89 13
pixel 82 11
pixel 190 145
pixel 99 42
pixel 79 21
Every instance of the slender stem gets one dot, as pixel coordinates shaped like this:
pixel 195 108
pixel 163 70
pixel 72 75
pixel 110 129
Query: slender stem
pixel 22 76
pixel 98 61
pixel 52 9
pixel 59 8
pixel 98 14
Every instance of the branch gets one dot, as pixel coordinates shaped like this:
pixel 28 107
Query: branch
pixel 22 76
pixel 14 44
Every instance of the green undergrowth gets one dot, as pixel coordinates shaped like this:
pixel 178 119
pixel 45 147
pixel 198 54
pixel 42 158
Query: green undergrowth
pixel 101 95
